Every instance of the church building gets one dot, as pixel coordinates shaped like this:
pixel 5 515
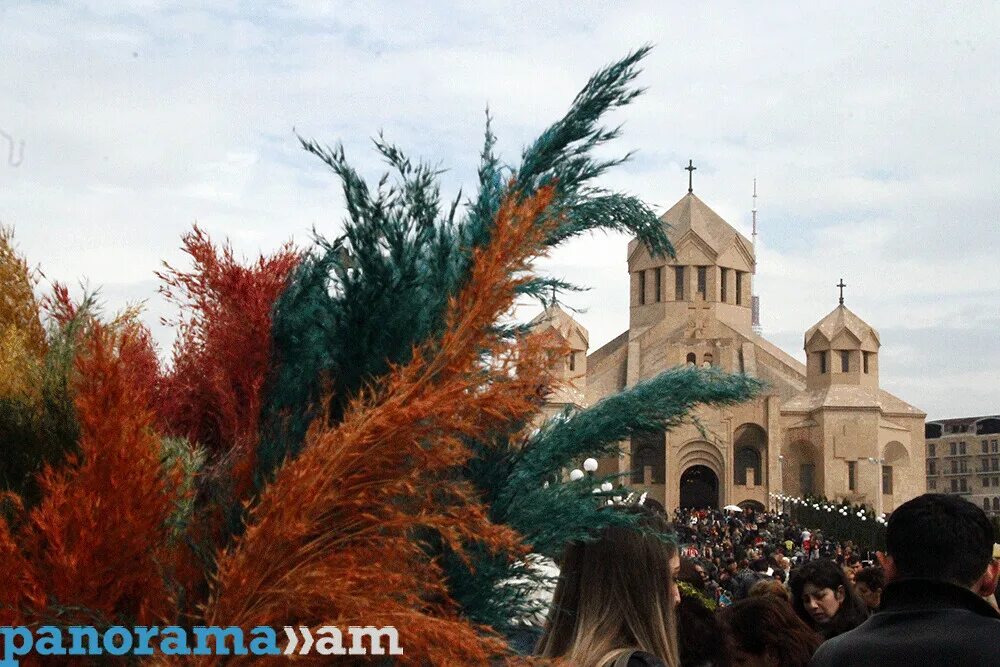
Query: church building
pixel 822 428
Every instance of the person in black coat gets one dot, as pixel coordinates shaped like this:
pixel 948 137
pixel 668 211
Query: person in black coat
pixel 939 566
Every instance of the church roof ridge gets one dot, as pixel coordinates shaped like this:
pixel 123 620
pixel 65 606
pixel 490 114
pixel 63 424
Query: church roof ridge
pixel 850 397
pixel 608 348
pixel 780 354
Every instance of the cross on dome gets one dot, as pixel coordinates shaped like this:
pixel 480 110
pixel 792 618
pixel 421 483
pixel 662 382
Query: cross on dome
pixel 690 169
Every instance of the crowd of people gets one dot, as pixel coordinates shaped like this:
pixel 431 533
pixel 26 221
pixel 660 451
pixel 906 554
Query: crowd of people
pixel 730 552
pixel 756 589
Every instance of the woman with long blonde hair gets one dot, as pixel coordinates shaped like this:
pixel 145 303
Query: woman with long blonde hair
pixel 614 602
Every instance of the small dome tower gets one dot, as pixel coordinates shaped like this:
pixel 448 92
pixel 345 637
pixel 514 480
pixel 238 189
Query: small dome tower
pixel 572 368
pixel 842 349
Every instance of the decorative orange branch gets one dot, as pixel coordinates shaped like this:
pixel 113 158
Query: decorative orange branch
pixel 338 538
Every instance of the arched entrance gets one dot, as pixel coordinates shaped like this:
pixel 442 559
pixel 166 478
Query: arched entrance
pixel 754 505
pixel 699 487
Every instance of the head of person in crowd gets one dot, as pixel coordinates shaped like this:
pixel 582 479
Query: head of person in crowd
pixel 824 598
pixel 944 538
pixel 770 587
pixel 616 594
pixel 702 573
pixel 760 565
pixel 763 631
pixel 691 574
pixel 699 634
pixel 848 572
pixel 868 583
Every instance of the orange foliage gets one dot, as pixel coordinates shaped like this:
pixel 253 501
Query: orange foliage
pixel 18 305
pixel 92 548
pixel 213 393
pixel 22 338
pixel 336 539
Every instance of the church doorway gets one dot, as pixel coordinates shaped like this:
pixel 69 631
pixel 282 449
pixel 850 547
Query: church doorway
pixel 699 488
pixel 752 505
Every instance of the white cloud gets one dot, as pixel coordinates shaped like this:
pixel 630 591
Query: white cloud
pixel 868 128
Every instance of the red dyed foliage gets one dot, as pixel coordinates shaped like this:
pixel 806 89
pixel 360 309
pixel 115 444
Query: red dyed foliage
pixel 213 393
pixel 60 306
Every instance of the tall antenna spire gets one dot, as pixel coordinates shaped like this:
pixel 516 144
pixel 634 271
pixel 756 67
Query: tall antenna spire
pixel 755 299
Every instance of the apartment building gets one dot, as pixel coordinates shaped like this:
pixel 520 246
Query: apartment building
pixel 963 457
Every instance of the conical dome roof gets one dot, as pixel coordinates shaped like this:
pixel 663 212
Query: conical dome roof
pixel 840 319
pixel 691 213
pixel 562 322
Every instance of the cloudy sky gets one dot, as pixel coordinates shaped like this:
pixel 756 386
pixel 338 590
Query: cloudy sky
pixel 872 131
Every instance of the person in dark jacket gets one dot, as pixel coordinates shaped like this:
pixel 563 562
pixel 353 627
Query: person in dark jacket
pixel 939 566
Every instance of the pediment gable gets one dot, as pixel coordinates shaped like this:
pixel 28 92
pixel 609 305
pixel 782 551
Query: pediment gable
pixel 817 341
pixel 692 249
pixel 736 257
pixel 845 339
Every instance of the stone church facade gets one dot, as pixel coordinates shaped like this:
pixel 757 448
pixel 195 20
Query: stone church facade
pixel 823 428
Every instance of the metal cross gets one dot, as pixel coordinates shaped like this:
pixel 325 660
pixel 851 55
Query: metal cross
pixel 690 170
pixel 841 285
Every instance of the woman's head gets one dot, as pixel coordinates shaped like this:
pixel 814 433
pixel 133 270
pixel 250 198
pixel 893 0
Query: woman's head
pixel 763 630
pixel 692 573
pixel 616 591
pixel 770 587
pixel 824 598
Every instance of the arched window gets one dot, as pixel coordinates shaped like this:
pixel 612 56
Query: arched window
pixel 706 361
pixel 996 504
pixel 692 359
pixel 986 504
pixel 749 451
pixel 747 457
pixel 648 458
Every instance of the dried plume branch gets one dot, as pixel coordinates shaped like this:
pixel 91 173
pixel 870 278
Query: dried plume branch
pixel 212 394
pixel 335 539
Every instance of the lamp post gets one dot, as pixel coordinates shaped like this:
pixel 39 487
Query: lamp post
pixel 781 476
pixel 878 483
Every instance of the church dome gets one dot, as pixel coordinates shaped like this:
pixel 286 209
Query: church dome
pixel 574 333
pixel 692 214
pixel 842 321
